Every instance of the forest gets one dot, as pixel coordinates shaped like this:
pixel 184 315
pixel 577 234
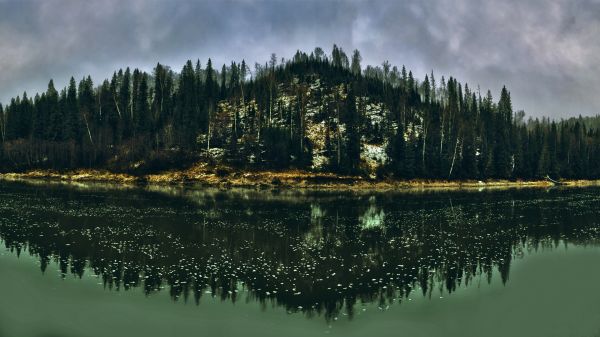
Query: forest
pixel 315 111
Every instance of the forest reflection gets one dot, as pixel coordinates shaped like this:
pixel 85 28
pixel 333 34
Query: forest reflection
pixel 314 252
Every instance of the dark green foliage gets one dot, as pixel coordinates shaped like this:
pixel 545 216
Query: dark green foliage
pixel 351 158
pixel 277 150
pixel 396 151
pixel 315 111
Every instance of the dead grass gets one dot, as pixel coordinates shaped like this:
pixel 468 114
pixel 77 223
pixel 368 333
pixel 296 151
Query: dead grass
pixel 203 174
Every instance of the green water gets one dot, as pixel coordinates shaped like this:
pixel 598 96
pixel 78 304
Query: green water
pixel 93 260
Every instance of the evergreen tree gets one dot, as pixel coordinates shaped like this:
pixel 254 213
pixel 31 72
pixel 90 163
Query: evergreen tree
pixel 124 103
pixel 72 125
pixel 141 119
pixel 502 150
pixel 210 90
pixel 2 123
pixel 356 59
pixel 86 102
pixel 54 129
pixel 288 111
pixel 396 152
pixel 353 131
pixel 223 89
pixel 187 108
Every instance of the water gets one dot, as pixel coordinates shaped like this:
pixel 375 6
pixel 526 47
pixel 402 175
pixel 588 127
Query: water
pixel 95 260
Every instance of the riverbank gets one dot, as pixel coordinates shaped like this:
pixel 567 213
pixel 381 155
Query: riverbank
pixel 204 175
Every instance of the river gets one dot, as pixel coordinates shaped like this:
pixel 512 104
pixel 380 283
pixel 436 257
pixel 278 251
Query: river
pixel 102 260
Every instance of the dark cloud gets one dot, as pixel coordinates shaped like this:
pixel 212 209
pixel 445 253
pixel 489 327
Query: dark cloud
pixel 544 51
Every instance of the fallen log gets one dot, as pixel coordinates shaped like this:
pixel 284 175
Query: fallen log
pixel 555 182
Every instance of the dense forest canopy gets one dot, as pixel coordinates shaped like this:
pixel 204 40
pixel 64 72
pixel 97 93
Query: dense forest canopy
pixel 315 112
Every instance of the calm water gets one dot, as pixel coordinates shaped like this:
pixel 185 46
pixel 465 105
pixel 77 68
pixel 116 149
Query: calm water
pixel 92 260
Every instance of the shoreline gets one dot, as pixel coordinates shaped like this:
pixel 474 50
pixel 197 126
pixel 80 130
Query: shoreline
pixel 201 175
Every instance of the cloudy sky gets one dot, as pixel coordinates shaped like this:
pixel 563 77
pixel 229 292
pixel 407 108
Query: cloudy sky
pixel 547 52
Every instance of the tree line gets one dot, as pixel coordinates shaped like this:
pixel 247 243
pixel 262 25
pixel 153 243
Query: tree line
pixel 314 111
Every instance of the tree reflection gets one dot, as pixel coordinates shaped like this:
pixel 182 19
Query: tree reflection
pixel 318 253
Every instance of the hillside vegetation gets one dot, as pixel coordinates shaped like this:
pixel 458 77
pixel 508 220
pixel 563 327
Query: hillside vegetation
pixel 313 113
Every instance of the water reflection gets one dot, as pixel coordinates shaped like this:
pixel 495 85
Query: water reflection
pixel 315 252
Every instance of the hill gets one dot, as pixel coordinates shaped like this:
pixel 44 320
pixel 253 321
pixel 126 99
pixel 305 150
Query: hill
pixel 315 113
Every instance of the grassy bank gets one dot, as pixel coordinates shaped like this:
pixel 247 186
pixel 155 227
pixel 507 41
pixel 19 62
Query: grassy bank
pixel 227 177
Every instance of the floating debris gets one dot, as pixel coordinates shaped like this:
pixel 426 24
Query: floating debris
pixel 308 252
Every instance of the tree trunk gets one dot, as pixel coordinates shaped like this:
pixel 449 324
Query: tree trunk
pixel 453 157
pixel 339 137
pixel 117 106
pixel 208 134
pixel 424 142
pixel 87 126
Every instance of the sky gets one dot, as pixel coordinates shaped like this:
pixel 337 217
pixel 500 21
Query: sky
pixel 547 52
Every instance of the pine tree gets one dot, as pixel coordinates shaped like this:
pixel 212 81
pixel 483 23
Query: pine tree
pixel 188 107
pixel 352 126
pixel 396 152
pixel 141 118
pixel 2 124
pixel 430 129
pixel 131 121
pixel 124 104
pixel 502 154
pixel 553 169
pixel 54 129
pixel 210 90
pixel 356 59
pixel 71 121
pixel 86 102
pixel 223 90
